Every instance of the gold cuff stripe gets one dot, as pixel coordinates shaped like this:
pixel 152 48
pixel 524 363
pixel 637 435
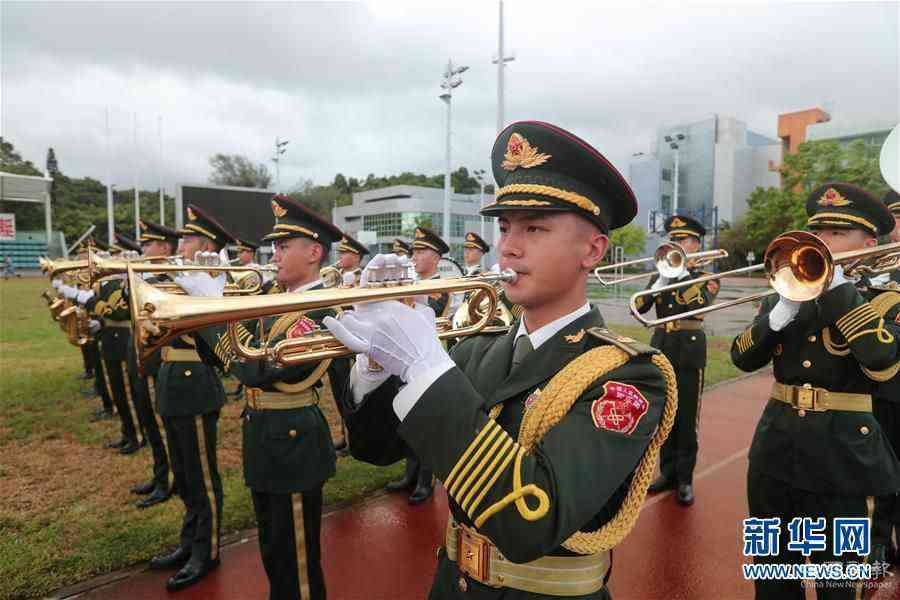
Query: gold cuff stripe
pixel 884 336
pixel 745 341
pixel 884 374
pixel 852 329
pixel 502 446
pixel 460 494
pixel 840 219
pixel 282 227
pixel 479 451
pixel 518 496
pixel 578 200
pixel 190 227
pixel 858 321
pixel 465 456
pixel 508 454
pixel 852 312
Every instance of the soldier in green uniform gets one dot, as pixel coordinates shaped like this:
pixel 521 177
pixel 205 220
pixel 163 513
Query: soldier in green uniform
pixel 886 517
pixel 545 438
pixel 288 452
pixel 109 305
pixel 818 451
pixel 684 344
pixel 350 255
pixel 190 394
pixel 401 248
pixel 156 241
pixel 474 249
pixel 427 250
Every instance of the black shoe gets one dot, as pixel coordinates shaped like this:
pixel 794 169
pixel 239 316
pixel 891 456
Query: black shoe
pixel 173 560
pixel 142 489
pixel 685 494
pixel 86 376
pixel 158 496
pixel 116 445
pixel 129 447
pixel 190 574
pixel 662 484
pixel 424 488
pixel 406 482
pixel 101 415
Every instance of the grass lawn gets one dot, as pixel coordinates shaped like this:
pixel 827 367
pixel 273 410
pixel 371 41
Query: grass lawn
pixel 65 510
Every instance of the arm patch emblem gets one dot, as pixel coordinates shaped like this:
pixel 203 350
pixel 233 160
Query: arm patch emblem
pixel 620 408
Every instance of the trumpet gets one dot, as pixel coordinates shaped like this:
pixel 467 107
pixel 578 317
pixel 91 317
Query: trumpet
pixel 74 322
pixel 55 268
pixel 670 260
pixel 798 265
pixel 331 276
pixel 158 317
pixel 105 267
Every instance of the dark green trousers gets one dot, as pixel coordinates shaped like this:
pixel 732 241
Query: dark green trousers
pixel 678 456
pixel 886 518
pixel 293 565
pixel 100 381
pixel 114 371
pixel 143 405
pixel 769 497
pixel 192 445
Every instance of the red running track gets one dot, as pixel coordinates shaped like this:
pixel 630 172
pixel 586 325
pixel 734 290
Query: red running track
pixel 384 549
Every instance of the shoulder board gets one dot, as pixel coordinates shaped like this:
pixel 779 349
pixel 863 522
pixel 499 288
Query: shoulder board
pixel 885 301
pixel 630 345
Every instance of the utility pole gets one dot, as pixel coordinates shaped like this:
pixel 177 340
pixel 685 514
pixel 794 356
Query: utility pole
pixel 137 198
pixel 501 61
pixel 110 215
pixel 279 152
pixel 451 81
pixel 162 196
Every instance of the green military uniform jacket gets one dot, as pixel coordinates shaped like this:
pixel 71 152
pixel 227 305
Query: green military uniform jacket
pixel 110 304
pixel 842 342
pixel 889 391
pixel 685 349
pixel 439 303
pixel 583 464
pixel 290 450
pixel 189 388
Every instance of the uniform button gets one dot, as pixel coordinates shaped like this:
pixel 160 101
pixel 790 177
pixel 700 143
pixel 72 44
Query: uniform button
pixel 187 373
pixel 693 338
pixel 670 306
pixel 807 364
pixel 292 433
pixel 463 584
pixel 812 338
pixel 864 430
pixel 801 413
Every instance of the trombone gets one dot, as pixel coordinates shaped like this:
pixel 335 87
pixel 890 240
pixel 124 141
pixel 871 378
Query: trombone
pixel 670 260
pixel 798 265
pixel 158 317
pixel 55 268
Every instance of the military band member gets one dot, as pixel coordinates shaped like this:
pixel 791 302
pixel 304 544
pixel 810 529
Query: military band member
pixel 350 255
pixel 427 250
pixel 156 241
pixel 684 344
pixel 886 517
pixel 818 451
pixel 537 435
pixel 190 395
pixel 288 452
pixel 109 305
pixel 474 250
pixel 401 248
pixel 246 254
pixel 91 350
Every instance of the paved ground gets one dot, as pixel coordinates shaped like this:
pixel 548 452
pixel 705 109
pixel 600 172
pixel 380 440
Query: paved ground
pixel 385 550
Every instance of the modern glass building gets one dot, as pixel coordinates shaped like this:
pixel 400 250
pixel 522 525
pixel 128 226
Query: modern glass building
pixel 396 211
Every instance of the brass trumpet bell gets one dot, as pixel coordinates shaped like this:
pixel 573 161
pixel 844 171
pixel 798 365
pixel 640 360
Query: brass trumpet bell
pixel 670 261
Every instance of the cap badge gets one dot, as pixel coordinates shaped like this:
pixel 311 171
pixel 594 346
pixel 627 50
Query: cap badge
pixel 191 215
pixel 833 198
pixel 520 153
pixel 278 210
pixel 419 234
pixel 676 222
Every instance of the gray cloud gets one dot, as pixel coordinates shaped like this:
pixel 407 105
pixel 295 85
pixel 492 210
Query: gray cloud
pixel 355 86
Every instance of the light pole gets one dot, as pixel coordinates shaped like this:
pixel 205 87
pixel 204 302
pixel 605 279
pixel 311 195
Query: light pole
pixel 451 81
pixel 501 61
pixel 673 144
pixel 479 175
pixel 279 152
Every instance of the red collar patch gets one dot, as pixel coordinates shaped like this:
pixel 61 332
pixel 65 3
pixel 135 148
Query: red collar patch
pixel 620 408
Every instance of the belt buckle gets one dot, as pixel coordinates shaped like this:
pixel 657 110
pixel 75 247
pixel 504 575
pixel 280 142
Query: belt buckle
pixel 473 555
pixel 252 397
pixel 805 398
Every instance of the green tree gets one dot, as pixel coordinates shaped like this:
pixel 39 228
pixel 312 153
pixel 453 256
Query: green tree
pixel 816 163
pixel 238 170
pixel 12 162
pixel 631 238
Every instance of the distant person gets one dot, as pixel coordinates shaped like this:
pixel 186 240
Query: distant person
pixel 9 269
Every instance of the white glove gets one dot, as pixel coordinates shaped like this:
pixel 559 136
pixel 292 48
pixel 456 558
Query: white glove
pixel 385 267
pixel 401 339
pixel 69 292
pixel 56 283
pixel 660 282
pixel 349 279
pixel 93 326
pixel 363 379
pixel 839 278
pixel 783 313
pixel 83 296
pixel 201 283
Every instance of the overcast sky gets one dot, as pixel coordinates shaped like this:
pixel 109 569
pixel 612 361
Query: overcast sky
pixel 354 86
